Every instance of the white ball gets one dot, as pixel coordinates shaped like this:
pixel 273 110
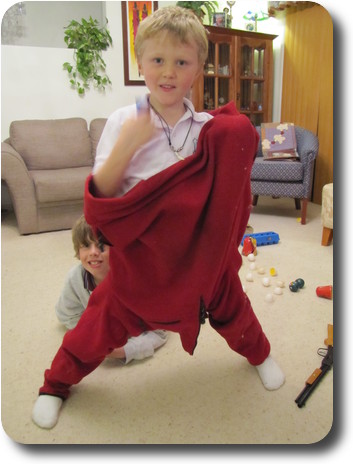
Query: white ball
pixel 252 266
pixel 266 282
pixel 261 270
pixel 251 257
pixel 280 284
pixel 278 291
pixel 269 298
pixel 249 277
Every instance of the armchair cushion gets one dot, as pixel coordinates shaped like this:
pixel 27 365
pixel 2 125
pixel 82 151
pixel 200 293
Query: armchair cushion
pixel 277 171
pixel 52 144
pixel 59 185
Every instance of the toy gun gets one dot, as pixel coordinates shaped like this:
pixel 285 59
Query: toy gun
pixel 318 374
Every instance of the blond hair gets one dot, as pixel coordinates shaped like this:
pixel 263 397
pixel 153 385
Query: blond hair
pixel 82 235
pixel 180 22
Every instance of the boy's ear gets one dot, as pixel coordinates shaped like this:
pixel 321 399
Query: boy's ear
pixel 200 70
pixel 139 66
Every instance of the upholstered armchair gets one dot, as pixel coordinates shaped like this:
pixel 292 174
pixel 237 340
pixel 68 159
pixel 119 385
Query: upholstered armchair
pixel 293 179
pixel 44 164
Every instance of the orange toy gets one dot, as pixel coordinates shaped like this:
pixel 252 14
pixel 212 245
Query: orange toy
pixel 249 246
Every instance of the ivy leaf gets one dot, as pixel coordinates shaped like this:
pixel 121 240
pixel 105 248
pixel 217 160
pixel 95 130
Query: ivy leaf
pixel 67 67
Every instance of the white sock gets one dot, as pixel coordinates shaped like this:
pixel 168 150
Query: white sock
pixel 46 411
pixel 271 374
pixel 157 338
pixel 144 345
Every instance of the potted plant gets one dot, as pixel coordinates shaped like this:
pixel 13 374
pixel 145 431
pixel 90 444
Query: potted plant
pixel 201 8
pixel 88 40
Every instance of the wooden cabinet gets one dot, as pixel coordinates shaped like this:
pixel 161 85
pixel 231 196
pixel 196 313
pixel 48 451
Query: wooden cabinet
pixel 239 67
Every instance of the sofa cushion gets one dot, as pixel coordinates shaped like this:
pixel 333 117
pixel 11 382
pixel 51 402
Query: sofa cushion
pixel 52 144
pixel 95 131
pixel 60 184
pixel 282 171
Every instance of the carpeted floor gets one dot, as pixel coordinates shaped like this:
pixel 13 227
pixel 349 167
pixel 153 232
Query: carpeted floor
pixel 214 397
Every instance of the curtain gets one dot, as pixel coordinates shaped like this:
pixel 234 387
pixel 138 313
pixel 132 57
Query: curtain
pixel 307 91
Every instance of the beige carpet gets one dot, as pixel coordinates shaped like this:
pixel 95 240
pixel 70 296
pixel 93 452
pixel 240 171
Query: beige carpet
pixel 214 397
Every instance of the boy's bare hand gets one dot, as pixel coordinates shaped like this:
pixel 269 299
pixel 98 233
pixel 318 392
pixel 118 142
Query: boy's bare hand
pixel 136 132
pixel 133 134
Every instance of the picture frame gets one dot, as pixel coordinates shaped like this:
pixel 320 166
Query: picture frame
pixel 219 19
pixel 132 13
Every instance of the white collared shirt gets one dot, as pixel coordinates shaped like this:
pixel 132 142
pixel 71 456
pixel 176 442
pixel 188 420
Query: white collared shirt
pixel 155 155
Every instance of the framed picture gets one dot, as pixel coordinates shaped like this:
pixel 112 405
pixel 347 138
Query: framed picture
pixel 132 14
pixel 219 19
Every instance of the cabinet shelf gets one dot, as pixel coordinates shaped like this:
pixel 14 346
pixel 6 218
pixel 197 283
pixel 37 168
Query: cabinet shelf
pixel 246 77
pixel 250 112
pixel 218 76
pixel 252 78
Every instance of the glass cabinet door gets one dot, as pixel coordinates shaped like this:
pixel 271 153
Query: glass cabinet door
pixel 239 68
pixel 252 79
pixel 259 54
pixel 217 74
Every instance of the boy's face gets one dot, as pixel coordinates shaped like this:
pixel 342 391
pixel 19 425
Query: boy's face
pixel 95 259
pixel 170 68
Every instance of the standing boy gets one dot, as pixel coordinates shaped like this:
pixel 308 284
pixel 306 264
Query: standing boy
pixel 170 191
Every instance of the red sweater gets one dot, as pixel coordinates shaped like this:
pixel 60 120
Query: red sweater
pixel 176 234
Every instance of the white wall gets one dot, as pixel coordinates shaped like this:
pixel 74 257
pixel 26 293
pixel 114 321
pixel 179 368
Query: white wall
pixel 33 84
pixel 23 22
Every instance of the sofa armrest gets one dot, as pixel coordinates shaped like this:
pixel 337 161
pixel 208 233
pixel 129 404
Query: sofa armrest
pixel 307 157
pixel 21 188
pixel 307 145
pixel 308 148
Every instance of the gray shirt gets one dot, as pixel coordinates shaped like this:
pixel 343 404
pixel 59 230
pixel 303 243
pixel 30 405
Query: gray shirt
pixel 73 299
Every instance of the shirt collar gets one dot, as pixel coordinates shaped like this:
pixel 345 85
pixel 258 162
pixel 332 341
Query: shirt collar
pixel 88 281
pixel 198 117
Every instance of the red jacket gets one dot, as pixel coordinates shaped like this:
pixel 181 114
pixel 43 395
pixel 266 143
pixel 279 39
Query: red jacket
pixel 176 234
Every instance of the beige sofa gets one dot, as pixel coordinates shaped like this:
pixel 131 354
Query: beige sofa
pixel 44 164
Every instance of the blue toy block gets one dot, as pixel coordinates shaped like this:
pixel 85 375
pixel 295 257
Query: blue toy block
pixel 263 238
